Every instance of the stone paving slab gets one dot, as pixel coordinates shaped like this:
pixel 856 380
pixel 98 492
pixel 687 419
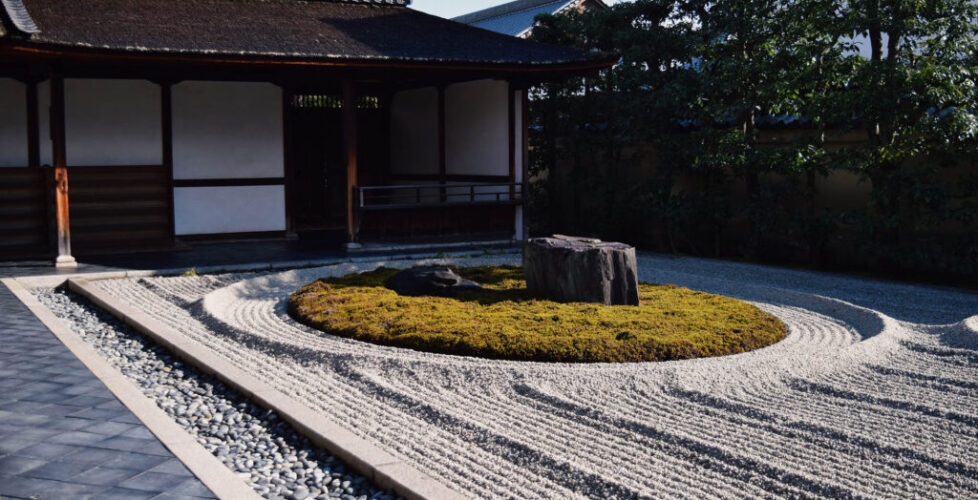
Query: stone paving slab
pixel 63 434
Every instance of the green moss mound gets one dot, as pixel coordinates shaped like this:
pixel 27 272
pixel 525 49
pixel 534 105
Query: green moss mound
pixel 504 321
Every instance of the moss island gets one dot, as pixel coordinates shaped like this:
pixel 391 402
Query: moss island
pixel 504 321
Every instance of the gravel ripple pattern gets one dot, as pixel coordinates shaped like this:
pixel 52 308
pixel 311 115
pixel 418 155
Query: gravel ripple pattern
pixel 251 441
pixel 871 395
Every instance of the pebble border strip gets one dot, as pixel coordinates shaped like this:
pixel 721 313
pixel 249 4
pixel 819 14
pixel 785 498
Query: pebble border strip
pixel 252 442
pixel 385 470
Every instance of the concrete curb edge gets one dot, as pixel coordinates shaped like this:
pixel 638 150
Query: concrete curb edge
pixel 205 466
pixel 383 468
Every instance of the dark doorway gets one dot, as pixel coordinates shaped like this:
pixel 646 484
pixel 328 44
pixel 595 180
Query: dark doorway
pixel 318 163
pixel 318 166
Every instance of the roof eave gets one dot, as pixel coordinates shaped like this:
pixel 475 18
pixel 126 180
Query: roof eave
pixel 16 13
pixel 48 50
pixel 498 11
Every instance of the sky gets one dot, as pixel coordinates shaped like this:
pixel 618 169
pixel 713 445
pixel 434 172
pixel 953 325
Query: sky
pixel 452 8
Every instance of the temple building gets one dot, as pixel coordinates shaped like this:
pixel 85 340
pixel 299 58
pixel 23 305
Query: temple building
pixel 136 124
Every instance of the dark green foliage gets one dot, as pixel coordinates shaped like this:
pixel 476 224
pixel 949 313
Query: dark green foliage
pixel 673 149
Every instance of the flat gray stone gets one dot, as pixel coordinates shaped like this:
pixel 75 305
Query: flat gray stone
pixel 433 281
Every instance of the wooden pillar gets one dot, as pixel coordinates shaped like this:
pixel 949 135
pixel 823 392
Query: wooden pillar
pixel 386 104
pixel 287 160
pixel 511 113
pixel 350 150
pixel 166 117
pixel 525 151
pixel 442 154
pixel 58 153
pixel 33 132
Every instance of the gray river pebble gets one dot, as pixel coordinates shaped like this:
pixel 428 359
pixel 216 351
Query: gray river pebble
pixel 249 440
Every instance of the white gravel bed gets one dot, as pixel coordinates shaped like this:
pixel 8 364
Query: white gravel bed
pixel 872 394
pixel 252 442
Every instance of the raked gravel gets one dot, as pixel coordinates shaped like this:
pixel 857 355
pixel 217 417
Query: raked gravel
pixel 252 442
pixel 873 393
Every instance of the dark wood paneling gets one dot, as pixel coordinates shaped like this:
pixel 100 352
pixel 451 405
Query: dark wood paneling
pixel 166 123
pixel 437 222
pixel 24 213
pixel 256 235
pixel 451 178
pixel 119 208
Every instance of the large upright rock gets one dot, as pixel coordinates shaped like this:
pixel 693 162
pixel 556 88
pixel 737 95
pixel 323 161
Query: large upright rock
pixel 569 269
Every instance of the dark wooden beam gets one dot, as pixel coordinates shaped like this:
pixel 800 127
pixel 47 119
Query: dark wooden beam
pixel 498 179
pixel 380 67
pixel 230 182
pixel 350 151
pixel 166 117
pixel 33 124
pixel 59 158
pixel 511 114
pixel 442 153
pixel 287 162
pixel 250 235
pixel 525 177
pixel 386 104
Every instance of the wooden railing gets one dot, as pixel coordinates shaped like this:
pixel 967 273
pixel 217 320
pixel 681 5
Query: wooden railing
pixel 438 195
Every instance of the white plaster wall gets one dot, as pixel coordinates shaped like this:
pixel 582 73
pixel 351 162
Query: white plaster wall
pixel 13 123
pixel 44 120
pixel 477 128
pixel 414 132
pixel 214 210
pixel 112 122
pixel 227 130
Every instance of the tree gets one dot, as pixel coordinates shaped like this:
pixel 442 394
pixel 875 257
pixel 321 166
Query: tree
pixel 596 121
pixel 699 78
pixel 914 97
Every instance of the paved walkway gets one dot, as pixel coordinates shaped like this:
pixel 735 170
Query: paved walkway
pixel 63 434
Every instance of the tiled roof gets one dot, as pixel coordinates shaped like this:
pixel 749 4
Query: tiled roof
pixel 323 29
pixel 516 18
pixel 18 16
